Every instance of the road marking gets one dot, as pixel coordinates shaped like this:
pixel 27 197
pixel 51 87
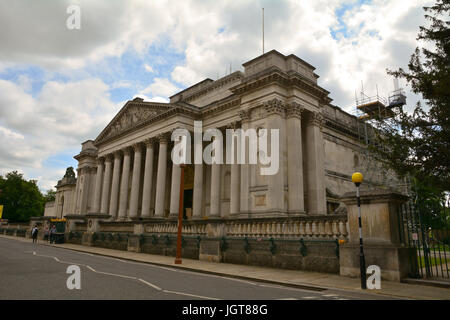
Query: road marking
pixel 90 268
pixel 190 295
pixel 330 295
pixel 150 284
pixel 128 277
pixel 310 297
pixel 286 299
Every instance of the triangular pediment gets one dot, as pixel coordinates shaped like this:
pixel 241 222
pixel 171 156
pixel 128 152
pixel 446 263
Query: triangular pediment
pixel 133 113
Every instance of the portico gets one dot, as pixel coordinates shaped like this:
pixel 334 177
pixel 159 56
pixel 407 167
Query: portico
pixel 127 172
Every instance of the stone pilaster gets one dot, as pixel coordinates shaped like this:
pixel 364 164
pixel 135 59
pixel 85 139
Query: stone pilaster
pixel 296 202
pixel 315 165
pixel 275 110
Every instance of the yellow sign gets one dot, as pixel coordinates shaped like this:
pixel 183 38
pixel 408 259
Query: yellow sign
pixel 58 220
pixel 1 210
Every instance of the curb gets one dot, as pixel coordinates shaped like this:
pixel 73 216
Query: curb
pixel 430 283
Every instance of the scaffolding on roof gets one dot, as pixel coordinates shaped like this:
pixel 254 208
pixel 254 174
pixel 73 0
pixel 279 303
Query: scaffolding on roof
pixel 368 110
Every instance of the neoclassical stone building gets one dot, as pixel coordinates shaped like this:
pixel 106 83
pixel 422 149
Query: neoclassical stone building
pixel 127 172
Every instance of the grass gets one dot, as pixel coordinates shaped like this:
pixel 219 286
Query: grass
pixel 434 261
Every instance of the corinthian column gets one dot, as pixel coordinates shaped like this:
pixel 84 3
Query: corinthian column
pixel 235 181
pixel 136 181
pixel 106 184
pixel 296 201
pixel 215 186
pixel 198 191
pixel 98 185
pixel 123 203
pixel 175 190
pixel 148 179
pixel 245 169
pixel 161 178
pixel 115 185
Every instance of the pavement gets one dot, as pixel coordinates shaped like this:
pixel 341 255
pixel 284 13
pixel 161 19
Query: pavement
pixel 301 280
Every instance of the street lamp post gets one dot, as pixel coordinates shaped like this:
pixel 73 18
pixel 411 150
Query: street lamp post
pixel 180 216
pixel 357 178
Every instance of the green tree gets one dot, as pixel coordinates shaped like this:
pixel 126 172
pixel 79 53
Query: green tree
pixel 419 143
pixel 21 199
pixel 50 195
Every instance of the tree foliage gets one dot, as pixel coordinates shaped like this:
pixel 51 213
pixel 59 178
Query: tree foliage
pixel 50 195
pixel 21 199
pixel 419 143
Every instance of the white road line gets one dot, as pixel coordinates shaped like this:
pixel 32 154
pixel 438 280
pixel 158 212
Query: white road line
pixel 310 297
pixel 190 295
pixel 286 299
pixel 90 268
pixel 117 275
pixel 179 270
pixel 330 295
pixel 150 284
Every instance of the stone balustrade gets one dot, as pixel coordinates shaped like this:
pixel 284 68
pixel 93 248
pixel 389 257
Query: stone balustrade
pixel 313 228
pixel 321 227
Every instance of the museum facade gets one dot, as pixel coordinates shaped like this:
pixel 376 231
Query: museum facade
pixel 127 171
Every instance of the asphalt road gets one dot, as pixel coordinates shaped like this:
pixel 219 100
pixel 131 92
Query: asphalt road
pixel 34 271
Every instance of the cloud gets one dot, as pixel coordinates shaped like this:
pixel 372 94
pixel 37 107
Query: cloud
pixel 153 49
pixel 160 88
pixel 59 118
pixel 148 68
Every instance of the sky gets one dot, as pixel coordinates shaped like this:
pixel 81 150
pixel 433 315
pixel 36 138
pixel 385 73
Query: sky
pixel 60 87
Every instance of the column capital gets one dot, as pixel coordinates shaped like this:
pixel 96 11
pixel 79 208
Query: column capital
pixel 233 125
pixel 317 119
pixel 137 146
pixel 117 154
pixel 126 151
pixel 100 160
pixel 294 110
pixel 163 138
pixel 109 157
pixel 275 106
pixel 245 115
pixel 150 141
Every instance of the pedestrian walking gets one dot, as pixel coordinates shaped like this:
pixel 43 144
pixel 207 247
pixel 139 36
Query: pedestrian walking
pixel 47 233
pixel 34 233
pixel 52 233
